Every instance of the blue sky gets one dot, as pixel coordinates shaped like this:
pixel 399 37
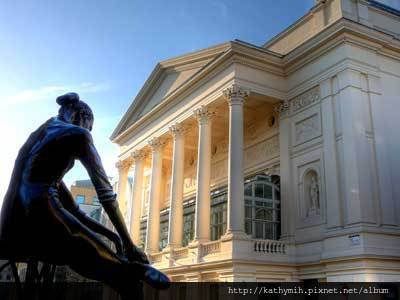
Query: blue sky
pixel 104 50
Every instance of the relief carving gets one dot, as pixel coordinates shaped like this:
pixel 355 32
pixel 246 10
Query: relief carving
pixel 299 102
pixel 261 152
pixel 219 169
pixel 189 183
pixel 305 99
pixel 307 129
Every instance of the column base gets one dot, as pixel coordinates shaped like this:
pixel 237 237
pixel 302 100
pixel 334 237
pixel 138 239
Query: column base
pixel 150 251
pixel 235 235
pixel 171 247
pixel 197 242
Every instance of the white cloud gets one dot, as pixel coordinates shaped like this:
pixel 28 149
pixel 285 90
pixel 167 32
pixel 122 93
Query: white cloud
pixel 51 92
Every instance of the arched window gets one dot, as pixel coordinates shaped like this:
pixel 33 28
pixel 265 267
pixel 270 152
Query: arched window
pixel 262 208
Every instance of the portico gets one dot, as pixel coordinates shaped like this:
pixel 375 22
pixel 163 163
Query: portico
pixel 197 145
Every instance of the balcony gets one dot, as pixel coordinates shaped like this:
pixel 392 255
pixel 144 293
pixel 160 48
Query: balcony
pixel 243 249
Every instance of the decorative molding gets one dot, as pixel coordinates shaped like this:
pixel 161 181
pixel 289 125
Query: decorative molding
pixel 282 108
pixel 156 144
pixel 307 129
pixel 177 130
pixel 235 94
pixel 124 164
pixel 305 99
pixel 203 114
pixel 138 155
pixel 261 152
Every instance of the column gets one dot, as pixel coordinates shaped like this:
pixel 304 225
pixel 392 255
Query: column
pixel 333 205
pixel 235 95
pixel 137 185
pixel 153 217
pixel 122 196
pixel 202 218
pixel 177 181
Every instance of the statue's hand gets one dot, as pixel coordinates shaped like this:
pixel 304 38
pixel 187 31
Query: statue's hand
pixel 133 253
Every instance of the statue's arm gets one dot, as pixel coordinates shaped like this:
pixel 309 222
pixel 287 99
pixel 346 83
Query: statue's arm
pixel 69 204
pixel 90 158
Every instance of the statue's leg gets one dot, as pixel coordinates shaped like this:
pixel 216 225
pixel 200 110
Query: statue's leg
pixel 88 255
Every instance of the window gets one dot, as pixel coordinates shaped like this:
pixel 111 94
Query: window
pixel 80 199
pixel 142 234
pixel 163 234
pixel 188 228
pixel 145 196
pixel 262 208
pixel 218 220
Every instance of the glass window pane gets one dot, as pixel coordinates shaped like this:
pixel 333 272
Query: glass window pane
pixel 259 191
pixel 259 203
pixel 80 199
pixel 268 215
pixel 248 190
pixel 188 228
pixel 269 229
pixel 248 212
pixel 163 234
pixel 259 230
pixel 267 191
pixel 277 194
pixel 260 214
pixel 268 204
pixel 247 227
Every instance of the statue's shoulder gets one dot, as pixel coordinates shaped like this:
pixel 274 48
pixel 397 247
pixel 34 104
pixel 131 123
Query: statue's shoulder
pixel 71 129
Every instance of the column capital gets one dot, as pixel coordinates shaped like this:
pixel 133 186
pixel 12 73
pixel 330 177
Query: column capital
pixel 283 108
pixel 177 130
pixel 138 155
pixel 203 114
pixel 235 94
pixel 123 164
pixel 156 144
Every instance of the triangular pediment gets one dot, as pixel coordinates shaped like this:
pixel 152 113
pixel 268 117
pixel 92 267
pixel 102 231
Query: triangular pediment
pixel 166 77
pixel 169 81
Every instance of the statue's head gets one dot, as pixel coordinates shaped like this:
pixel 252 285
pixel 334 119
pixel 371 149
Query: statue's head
pixel 75 111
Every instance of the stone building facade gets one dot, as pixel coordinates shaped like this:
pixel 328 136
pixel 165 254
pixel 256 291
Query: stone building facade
pixel 276 162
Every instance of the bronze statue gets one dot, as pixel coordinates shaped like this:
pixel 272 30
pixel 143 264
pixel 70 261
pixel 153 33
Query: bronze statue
pixel 40 219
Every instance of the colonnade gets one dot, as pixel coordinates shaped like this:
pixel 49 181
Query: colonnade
pixel 235 96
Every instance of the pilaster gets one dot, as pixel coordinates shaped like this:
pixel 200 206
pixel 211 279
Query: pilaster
pixel 333 198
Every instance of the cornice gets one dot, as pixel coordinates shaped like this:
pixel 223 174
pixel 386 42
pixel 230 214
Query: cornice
pixel 342 31
pixel 193 57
